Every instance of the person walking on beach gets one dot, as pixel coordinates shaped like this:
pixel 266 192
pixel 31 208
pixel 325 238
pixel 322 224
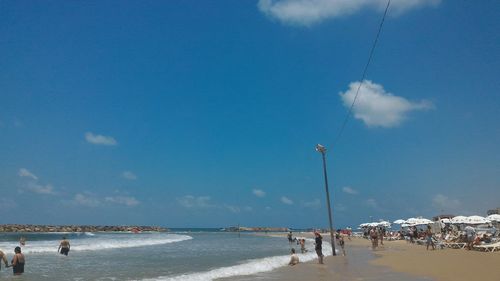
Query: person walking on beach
pixel 294 259
pixel 471 234
pixel 290 240
pixel 4 259
pixel 318 241
pixel 64 247
pixel 18 261
pixel 374 238
pixel 342 244
pixel 428 236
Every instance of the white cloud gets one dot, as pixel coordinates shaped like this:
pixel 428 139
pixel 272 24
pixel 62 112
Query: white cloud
pixel 286 200
pixel 259 193
pixel 41 189
pixel 232 209
pixel 129 175
pixel 23 172
pixel 378 108
pixel 190 201
pixel 314 204
pixel 445 203
pixel 122 200
pixel 349 190
pixel 99 139
pixel 86 200
pixel 309 12
pixel 372 203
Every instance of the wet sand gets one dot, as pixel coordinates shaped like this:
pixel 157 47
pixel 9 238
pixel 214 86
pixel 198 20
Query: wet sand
pixel 394 261
pixel 355 266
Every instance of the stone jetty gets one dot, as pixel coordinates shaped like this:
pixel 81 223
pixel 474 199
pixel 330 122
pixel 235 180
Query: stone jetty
pixel 78 228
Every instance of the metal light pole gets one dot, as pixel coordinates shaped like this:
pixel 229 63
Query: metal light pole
pixel 321 149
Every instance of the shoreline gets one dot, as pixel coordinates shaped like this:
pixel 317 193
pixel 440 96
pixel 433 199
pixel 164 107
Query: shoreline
pixel 395 260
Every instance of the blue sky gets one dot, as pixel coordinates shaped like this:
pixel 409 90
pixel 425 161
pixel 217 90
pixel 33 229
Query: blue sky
pixel 206 113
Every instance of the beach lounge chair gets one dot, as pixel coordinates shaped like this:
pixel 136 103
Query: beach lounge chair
pixel 440 244
pixel 455 245
pixel 488 247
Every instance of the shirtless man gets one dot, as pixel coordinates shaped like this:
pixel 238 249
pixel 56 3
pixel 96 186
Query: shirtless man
pixel 64 247
pixel 294 259
pixel 4 258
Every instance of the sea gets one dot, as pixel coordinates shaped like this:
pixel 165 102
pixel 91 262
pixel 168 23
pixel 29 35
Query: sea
pixel 182 254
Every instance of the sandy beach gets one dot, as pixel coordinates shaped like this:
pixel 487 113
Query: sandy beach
pixel 440 265
pixel 395 260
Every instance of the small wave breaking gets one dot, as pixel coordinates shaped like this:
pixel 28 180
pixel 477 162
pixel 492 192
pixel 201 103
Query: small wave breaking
pixel 248 267
pixel 98 242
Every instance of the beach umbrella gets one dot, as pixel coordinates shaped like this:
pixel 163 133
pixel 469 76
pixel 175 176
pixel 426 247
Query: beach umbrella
pixel 458 220
pixel 445 220
pixel 494 217
pixel 384 224
pixel 418 221
pixel 476 220
pixel 400 221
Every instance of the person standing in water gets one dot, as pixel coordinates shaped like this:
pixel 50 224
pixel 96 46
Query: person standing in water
pixel 18 262
pixel 3 257
pixel 64 247
pixel 318 241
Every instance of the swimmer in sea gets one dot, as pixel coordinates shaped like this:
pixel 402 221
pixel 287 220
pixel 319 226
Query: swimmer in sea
pixel 18 262
pixel 64 247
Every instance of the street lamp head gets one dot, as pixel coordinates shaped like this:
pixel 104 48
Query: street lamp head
pixel 320 148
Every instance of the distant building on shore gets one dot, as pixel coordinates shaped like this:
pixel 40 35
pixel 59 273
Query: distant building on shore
pixel 494 211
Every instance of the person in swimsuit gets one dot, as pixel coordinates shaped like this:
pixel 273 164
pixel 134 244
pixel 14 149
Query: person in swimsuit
pixel 64 247
pixel 4 258
pixel 428 236
pixel 318 241
pixel 303 245
pixel 18 262
pixel 294 259
pixel 22 241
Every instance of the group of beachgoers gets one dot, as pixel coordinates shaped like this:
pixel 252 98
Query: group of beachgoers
pixel 18 261
pixel 318 244
pixel 462 236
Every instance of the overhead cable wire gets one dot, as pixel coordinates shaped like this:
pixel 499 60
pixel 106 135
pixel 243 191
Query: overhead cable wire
pixel 349 113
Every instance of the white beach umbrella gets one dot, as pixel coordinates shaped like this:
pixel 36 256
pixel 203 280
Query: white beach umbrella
pixel 400 221
pixel 384 224
pixel 476 220
pixel 458 220
pixel 494 217
pixel 445 220
pixel 418 221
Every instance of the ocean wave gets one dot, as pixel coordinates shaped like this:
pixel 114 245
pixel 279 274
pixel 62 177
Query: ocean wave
pixel 101 243
pixel 248 267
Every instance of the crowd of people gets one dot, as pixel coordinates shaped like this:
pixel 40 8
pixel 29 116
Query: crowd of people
pixel 426 235
pixel 318 244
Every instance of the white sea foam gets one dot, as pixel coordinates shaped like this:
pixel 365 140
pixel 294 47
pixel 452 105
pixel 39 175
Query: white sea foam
pixel 246 268
pixel 101 242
